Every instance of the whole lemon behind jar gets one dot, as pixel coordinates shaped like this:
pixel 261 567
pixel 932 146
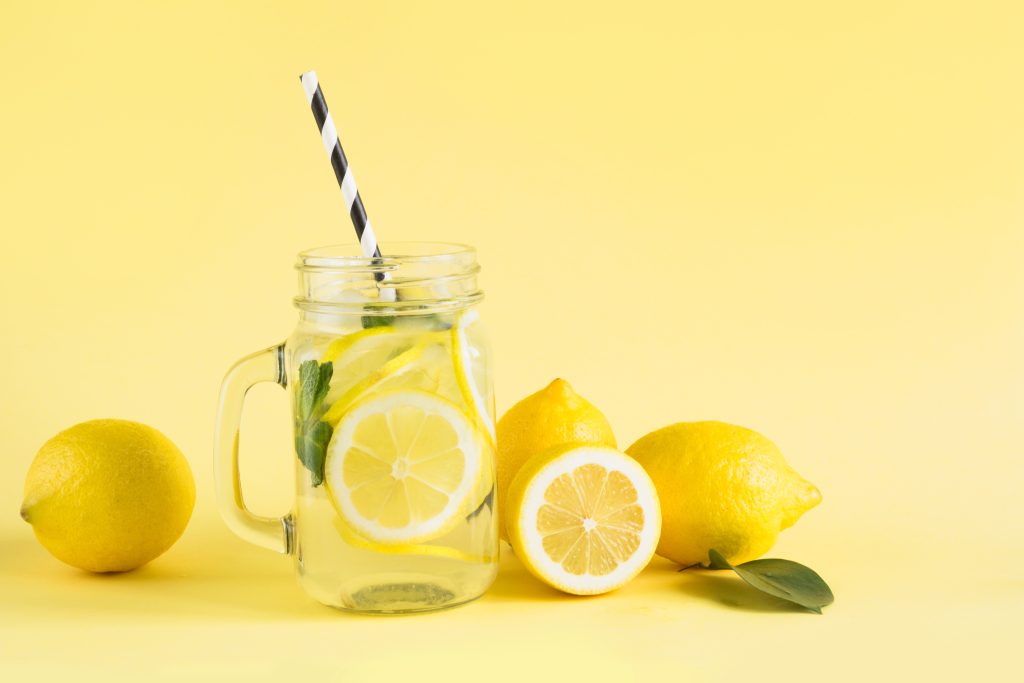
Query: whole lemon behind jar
pixel 551 417
pixel 108 495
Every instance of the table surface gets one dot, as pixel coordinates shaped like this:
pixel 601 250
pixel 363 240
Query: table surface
pixel 214 605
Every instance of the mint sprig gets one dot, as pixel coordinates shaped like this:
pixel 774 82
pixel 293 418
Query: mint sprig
pixel 314 382
pixel 312 434
pixel 377 321
pixel 784 579
pixel 311 446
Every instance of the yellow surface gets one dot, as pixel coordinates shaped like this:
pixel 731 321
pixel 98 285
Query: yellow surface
pixel 803 217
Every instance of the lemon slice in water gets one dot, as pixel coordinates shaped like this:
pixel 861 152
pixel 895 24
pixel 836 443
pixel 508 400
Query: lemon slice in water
pixel 381 359
pixel 471 370
pixel 452 546
pixel 402 467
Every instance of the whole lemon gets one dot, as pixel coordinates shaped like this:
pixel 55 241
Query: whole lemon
pixel 723 487
pixel 553 416
pixel 108 495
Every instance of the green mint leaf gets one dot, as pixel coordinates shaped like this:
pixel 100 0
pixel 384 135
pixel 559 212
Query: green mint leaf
pixel 312 435
pixel 377 321
pixel 311 446
pixel 784 579
pixel 324 384
pixel 314 383
pixel 432 321
pixel 309 385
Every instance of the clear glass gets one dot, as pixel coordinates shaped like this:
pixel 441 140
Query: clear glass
pixel 390 376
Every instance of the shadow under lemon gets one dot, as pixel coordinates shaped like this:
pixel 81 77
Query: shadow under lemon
pixel 213 575
pixel 208 574
pixel 726 589
pixel 661 582
pixel 515 584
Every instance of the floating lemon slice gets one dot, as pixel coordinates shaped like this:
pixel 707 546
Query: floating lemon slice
pixel 448 547
pixel 380 359
pixel 357 344
pixel 471 370
pixel 402 467
pixel 584 519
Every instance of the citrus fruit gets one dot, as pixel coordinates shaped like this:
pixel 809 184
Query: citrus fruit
pixel 551 417
pixel 450 546
pixel 108 495
pixel 381 359
pixel 723 487
pixel 584 519
pixel 471 371
pixel 403 466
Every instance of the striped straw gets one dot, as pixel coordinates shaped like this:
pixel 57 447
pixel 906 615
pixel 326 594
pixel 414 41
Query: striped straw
pixel 347 182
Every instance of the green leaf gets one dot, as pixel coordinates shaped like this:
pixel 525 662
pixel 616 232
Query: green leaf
pixel 717 560
pixel 314 383
pixel 432 321
pixel 324 384
pixel 312 436
pixel 377 321
pixel 311 446
pixel 784 579
pixel 309 383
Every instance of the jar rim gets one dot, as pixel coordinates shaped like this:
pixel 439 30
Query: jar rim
pixel 349 257
pixel 411 278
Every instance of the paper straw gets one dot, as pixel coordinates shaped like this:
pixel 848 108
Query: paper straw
pixel 346 181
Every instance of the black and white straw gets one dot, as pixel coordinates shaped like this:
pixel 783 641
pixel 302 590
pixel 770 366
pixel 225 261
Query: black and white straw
pixel 353 202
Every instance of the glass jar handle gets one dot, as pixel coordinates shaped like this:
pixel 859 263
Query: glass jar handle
pixel 269 532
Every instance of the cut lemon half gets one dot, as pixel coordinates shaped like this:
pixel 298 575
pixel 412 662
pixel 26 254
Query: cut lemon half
pixel 471 369
pixel 584 519
pixel 402 467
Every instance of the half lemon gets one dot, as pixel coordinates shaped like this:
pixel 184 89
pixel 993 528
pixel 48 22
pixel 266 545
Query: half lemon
pixel 584 519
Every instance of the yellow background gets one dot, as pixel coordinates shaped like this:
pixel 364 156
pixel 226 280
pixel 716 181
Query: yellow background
pixel 803 217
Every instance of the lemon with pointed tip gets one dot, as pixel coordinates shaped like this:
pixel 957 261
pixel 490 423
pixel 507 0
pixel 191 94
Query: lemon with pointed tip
pixel 108 495
pixel 553 416
pixel 721 486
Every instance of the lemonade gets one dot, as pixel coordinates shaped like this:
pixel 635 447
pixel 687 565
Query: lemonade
pixel 394 443
pixel 393 414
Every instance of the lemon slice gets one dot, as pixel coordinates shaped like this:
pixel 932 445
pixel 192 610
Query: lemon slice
pixel 356 356
pixel 359 343
pixel 584 519
pixel 450 547
pixel 471 370
pixel 381 359
pixel 402 467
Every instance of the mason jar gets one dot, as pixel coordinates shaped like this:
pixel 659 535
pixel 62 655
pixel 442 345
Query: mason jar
pixel 390 377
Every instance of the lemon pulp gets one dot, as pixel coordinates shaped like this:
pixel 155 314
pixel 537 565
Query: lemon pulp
pixel 590 520
pixel 402 466
pixel 584 519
